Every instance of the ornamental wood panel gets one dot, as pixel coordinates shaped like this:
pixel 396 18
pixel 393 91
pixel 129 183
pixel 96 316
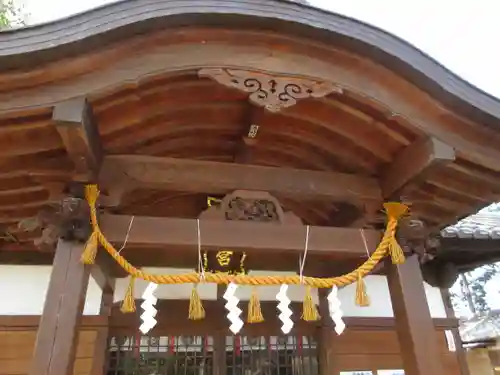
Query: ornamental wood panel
pixel 358 350
pixel 16 351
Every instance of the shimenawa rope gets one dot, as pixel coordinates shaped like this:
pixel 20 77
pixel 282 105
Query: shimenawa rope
pixel 388 245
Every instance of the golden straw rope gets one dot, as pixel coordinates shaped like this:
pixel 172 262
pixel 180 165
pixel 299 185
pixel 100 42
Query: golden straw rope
pixel 382 250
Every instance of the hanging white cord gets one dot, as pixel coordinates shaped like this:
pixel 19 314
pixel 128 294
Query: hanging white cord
pixel 127 235
pixel 201 271
pixel 365 242
pixel 302 260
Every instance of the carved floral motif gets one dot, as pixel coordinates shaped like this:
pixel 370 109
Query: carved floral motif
pixel 261 210
pixel 273 92
pixel 243 205
pixel 66 219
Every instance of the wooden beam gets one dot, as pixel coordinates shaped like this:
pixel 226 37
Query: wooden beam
pixel 100 272
pixel 167 307
pixel 414 163
pixel 237 235
pixel 32 322
pixel 414 325
pixel 74 120
pixel 222 178
pixel 56 341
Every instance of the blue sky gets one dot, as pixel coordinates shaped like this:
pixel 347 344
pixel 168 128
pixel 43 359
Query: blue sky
pixel 459 34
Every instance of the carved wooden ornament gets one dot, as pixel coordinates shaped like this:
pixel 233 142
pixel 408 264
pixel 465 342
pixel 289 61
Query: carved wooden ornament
pixel 244 205
pixel 273 92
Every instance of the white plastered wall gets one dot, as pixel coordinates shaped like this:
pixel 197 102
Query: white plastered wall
pixel 23 289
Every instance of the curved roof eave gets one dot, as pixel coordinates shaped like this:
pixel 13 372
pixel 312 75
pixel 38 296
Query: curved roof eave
pixel 27 47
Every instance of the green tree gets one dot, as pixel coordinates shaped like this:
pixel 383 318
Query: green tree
pixel 10 14
pixel 472 289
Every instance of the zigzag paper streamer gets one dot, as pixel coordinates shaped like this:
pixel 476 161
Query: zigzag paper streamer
pixel 284 309
pixel 234 311
pixel 149 310
pixel 335 311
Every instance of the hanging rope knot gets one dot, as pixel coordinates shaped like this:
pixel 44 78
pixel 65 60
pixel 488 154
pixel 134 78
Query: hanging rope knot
pixel 362 298
pixel 196 309
pixel 254 309
pixel 90 250
pixel 394 212
pixel 128 305
pixel 309 309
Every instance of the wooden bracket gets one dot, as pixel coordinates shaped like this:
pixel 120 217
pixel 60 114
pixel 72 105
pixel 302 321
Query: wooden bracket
pixel 414 163
pixel 75 122
pixel 271 91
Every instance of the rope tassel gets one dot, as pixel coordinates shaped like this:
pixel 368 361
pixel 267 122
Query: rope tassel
pixel 90 250
pixel 362 298
pixel 309 310
pixel 128 305
pixel 254 310
pixel 396 252
pixel 196 309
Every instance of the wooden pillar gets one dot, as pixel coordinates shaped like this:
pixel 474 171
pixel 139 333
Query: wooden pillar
pixel 414 325
pixel 57 337
pixel 220 367
pixel 460 352
pixel 101 353
pixel 326 336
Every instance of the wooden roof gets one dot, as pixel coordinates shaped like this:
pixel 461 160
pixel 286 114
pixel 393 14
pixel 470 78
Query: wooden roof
pixel 397 117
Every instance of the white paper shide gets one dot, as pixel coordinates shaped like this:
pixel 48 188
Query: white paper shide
pixel 149 311
pixel 335 311
pixel 234 311
pixel 284 309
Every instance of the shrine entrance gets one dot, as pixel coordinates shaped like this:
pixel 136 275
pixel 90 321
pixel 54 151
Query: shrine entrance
pixel 266 184
pixel 195 355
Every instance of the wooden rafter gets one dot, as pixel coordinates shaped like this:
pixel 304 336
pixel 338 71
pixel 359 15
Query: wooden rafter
pixel 75 123
pixel 414 163
pixel 220 178
pixel 148 232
